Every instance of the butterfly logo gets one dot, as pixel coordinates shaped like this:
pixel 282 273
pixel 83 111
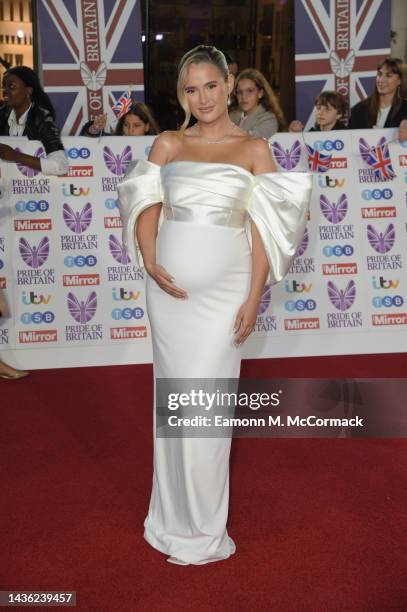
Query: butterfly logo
pixel 77 222
pixel 265 300
pixel 334 213
pixel 117 164
pixel 93 79
pixel 287 158
pixel 34 256
pixel 304 244
pixel 118 250
pixel 342 67
pixel 378 158
pixel 30 172
pixel 342 299
pixel 381 242
pixel 82 311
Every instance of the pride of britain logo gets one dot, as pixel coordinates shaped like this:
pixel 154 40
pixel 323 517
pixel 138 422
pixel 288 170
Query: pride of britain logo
pixel 382 242
pixel 82 312
pixel 287 158
pixel 343 299
pixel 34 256
pixel 265 322
pixel 124 271
pixel 335 213
pixel 78 222
pixel 117 164
pixel 302 265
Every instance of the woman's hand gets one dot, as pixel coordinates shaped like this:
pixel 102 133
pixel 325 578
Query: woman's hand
pixel 165 281
pixel 295 126
pixel 245 320
pixel 8 153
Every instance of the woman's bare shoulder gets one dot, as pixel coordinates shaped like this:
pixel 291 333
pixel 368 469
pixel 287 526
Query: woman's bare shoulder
pixel 165 147
pixel 257 150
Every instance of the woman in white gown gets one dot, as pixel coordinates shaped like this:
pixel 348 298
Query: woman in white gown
pixel 227 222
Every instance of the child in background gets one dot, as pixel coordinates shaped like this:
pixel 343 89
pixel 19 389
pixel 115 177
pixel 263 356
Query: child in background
pixel 330 111
pixel 138 121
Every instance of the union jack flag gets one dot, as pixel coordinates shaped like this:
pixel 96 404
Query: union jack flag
pixel 338 45
pixel 317 162
pixel 123 104
pixel 378 158
pixel 89 53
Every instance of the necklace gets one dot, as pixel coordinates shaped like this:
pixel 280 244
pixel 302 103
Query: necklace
pixel 223 139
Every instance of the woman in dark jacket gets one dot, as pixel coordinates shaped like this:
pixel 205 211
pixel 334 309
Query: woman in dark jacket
pixel 28 111
pixel 387 106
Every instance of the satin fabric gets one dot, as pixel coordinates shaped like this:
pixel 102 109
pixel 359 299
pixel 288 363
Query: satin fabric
pixel 193 338
pixel 276 202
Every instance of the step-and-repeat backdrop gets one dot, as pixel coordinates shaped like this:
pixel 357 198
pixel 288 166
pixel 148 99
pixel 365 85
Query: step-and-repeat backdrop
pixel 75 298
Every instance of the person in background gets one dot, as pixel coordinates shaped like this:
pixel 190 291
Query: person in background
pixel 387 106
pixel 330 111
pixel 28 111
pixel 138 121
pixel 259 112
pixel 232 64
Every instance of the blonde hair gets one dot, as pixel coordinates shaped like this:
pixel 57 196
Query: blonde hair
pixel 200 54
pixel 269 100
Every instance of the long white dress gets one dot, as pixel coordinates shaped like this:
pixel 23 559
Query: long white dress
pixel 204 243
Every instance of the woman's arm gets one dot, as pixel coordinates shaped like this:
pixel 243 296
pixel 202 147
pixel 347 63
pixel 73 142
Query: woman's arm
pixel 147 225
pixel 55 163
pixel 246 318
pixel 11 155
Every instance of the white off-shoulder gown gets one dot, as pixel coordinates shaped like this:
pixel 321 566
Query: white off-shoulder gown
pixel 204 243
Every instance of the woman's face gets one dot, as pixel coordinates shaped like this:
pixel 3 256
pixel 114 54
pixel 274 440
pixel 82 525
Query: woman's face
pixel 134 126
pixel 206 91
pixel 15 92
pixel 386 80
pixel 248 95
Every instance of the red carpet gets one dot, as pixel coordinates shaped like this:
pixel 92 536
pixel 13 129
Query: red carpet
pixel 320 525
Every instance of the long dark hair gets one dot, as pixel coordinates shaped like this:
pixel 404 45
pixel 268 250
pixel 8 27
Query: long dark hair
pixel 269 100
pixel 397 66
pixel 141 111
pixel 31 79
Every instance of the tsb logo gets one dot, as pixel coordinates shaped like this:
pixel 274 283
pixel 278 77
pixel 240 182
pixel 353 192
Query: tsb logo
pixel 127 313
pixel 80 261
pixel 82 153
pixel 377 194
pixel 32 206
pixel 301 305
pixel 388 301
pixel 338 250
pixel 328 145
pixel 37 317
pixel 111 204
